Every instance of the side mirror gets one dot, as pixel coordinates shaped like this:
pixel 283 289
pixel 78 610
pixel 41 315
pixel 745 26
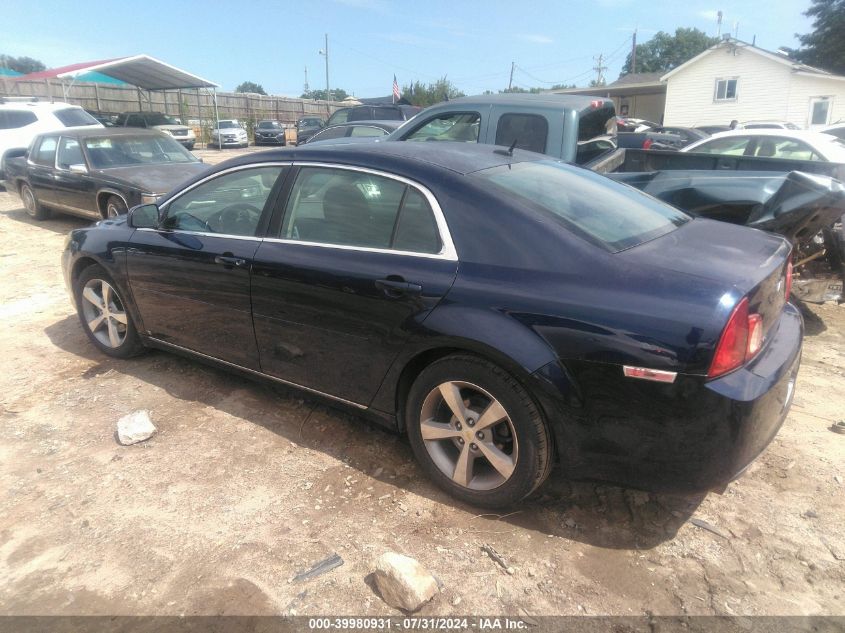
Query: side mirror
pixel 144 216
pixel 79 168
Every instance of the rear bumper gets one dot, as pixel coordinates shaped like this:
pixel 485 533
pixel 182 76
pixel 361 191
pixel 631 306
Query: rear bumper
pixel 691 435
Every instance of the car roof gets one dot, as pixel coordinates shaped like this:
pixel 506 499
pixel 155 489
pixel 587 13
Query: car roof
pixel 461 158
pixel 393 123
pixel 805 135
pixel 577 102
pixel 106 132
pixel 36 105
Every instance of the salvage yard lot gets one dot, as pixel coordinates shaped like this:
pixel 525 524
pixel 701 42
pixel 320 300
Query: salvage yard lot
pixel 247 484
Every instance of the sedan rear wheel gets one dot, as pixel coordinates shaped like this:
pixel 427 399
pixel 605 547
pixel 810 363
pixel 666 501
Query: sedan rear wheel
pixel 103 314
pixel 477 432
pixel 31 204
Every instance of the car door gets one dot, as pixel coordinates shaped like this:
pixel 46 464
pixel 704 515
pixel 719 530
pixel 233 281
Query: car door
pixel 75 190
pixel 40 165
pixel 358 260
pixel 190 277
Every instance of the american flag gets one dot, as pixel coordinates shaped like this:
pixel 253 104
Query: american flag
pixel 396 94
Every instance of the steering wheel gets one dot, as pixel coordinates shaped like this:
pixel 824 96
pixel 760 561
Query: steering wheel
pixel 238 219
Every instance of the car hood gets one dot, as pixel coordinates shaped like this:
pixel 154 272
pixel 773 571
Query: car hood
pixel 229 130
pixel 159 178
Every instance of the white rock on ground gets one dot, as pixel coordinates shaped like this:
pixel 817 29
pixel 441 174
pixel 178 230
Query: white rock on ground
pixel 403 582
pixel 135 427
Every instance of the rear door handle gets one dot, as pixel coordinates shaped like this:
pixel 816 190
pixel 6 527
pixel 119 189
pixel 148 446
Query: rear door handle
pixel 398 287
pixel 229 261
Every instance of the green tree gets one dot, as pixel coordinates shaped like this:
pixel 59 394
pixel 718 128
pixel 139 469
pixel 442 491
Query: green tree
pixel 338 94
pixel 23 65
pixel 825 46
pixel 423 95
pixel 251 86
pixel 663 52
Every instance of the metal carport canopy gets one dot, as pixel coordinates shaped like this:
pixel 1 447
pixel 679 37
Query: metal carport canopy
pixel 144 72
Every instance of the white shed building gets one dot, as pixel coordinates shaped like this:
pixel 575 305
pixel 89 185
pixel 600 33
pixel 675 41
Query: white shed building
pixel 735 80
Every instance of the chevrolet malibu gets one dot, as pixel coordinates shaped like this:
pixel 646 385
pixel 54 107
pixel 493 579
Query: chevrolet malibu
pixel 504 310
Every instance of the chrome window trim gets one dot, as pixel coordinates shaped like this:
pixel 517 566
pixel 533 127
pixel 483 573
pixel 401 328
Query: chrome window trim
pixel 247 238
pixel 447 249
pixel 258 373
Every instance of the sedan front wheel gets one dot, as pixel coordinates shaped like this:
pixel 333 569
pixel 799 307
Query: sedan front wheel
pixel 477 432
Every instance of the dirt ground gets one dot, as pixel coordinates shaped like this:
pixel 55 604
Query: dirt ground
pixel 245 485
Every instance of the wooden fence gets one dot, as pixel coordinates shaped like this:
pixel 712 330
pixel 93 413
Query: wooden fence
pixel 192 106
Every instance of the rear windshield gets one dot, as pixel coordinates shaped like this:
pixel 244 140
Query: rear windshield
pixel 155 118
pixel 605 212
pixel 123 151
pixel 75 117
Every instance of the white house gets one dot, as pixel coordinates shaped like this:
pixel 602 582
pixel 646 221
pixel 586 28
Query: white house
pixel 734 80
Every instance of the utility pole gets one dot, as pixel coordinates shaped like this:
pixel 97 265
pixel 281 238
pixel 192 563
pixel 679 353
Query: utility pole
pixel 510 81
pixel 599 69
pixel 719 23
pixel 325 53
pixel 634 54
pixel 306 88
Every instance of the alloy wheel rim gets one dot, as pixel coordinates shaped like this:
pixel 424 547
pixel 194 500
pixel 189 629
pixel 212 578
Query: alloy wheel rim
pixel 104 313
pixel 29 201
pixel 111 211
pixel 469 435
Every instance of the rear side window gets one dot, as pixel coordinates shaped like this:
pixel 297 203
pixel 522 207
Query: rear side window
pixel 339 116
pixel 780 147
pixel 45 151
pixel 733 146
pixel 329 133
pixel 367 130
pixel 13 119
pixel 75 117
pixel 528 130
pixel 349 208
pixel 609 214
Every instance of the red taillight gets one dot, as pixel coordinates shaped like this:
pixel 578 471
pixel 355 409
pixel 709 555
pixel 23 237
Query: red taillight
pixel 741 339
pixel 596 103
pixel 788 278
pixel 647 143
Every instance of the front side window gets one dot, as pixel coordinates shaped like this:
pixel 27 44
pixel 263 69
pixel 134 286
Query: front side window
pixel 725 90
pixel 458 126
pixel 349 208
pixel 70 153
pixel 45 152
pixel 528 130
pixel 230 204
pixel 733 146
pixel 339 116
pixel 123 151
pixel 607 213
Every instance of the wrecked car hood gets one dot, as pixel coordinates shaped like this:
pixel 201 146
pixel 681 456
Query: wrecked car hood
pixel 794 204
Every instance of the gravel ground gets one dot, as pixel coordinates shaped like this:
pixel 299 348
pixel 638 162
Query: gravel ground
pixel 246 484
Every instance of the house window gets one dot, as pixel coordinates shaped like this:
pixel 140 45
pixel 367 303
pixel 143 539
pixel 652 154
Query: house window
pixel 820 110
pixel 725 90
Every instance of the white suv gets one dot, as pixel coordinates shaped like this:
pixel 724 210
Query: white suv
pixel 21 121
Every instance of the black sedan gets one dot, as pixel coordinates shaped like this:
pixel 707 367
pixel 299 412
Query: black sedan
pixel 98 173
pixel 503 309
pixel 269 133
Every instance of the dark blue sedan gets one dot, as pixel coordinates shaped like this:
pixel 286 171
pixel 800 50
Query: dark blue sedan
pixel 505 310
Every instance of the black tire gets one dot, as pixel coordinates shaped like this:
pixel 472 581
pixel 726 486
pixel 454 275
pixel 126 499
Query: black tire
pixel 33 208
pixel 115 207
pixel 533 459
pixel 131 343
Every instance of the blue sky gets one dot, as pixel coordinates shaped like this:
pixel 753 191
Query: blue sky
pixel 471 42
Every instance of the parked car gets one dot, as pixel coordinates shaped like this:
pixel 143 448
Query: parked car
pixel 269 133
pixel 713 129
pixel 158 121
pixel 837 130
pixel 381 112
pixel 354 132
pixel 546 123
pixel 586 323
pixel 628 124
pixel 307 127
pixel 228 133
pixel 768 125
pixel 773 143
pixel 98 173
pixel 20 122
pixel 686 134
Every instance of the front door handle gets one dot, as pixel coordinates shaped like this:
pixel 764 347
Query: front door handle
pixel 397 287
pixel 229 261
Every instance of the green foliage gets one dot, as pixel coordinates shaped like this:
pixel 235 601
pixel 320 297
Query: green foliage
pixel 663 52
pixel 23 65
pixel 594 83
pixel 338 94
pixel 251 86
pixel 425 95
pixel 825 46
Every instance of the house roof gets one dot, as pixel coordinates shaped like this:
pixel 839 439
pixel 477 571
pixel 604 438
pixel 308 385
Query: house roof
pixel 796 66
pixel 626 85
pixel 143 71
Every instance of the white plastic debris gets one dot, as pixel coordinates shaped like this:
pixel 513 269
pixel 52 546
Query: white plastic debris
pixel 135 427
